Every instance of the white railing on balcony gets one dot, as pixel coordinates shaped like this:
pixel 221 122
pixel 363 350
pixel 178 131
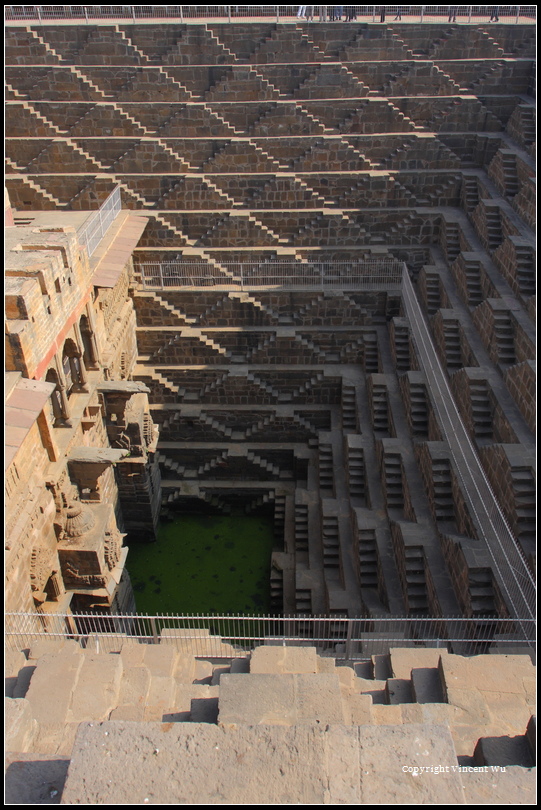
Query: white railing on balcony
pixel 367 275
pixel 95 228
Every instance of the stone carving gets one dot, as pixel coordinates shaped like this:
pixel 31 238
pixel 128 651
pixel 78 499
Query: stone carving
pixel 40 568
pixel 79 520
pixel 113 546
pixel 73 579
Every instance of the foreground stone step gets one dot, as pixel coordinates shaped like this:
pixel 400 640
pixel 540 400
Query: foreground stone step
pixel 340 765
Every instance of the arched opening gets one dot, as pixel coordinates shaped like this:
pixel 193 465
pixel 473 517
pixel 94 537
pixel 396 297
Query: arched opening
pixel 72 367
pixel 88 341
pixel 60 412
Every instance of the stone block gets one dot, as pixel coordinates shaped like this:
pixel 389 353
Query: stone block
pixel 202 672
pixel 391 759
pixel 185 668
pixel 55 738
pixel 404 659
pixel 134 686
pixel 134 714
pixel 383 715
pixel 52 685
pixel 160 659
pixel 97 689
pixel 160 698
pixel 293 660
pixel 360 709
pixel 132 653
pixel 510 712
pixel 20 727
pixel 472 709
pixel 45 645
pixel 340 765
pixel 512 786
pixel 280 699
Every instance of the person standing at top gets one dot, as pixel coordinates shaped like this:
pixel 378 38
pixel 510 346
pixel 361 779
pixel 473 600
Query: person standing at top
pixel 310 13
pixel 301 12
pixel 452 13
pixel 322 13
pixel 382 13
pixel 398 14
pixel 494 14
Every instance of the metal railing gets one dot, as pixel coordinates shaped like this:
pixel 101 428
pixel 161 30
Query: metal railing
pixel 228 636
pixel 423 14
pixel 510 568
pixel 99 223
pixel 368 275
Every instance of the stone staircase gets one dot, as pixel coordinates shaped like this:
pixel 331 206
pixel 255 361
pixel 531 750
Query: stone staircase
pixel 115 715
pixel 443 503
pixel 331 542
pixel 349 408
pixel 418 409
pixel 453 351
pixel 326 468
pixel 356 472
pixel 504 338
pixel 481 409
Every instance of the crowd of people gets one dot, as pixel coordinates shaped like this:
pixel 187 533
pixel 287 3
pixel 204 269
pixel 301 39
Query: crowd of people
pixel 349 13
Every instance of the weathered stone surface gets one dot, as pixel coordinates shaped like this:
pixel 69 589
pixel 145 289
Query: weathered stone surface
pixel 301 765
pixel 20 727
pixel 495 786
pixel 53 684
pixel 284 659
pixel 14 661
pixel 161 659
pixel 134 686
pixel 281 699
pixel 97 690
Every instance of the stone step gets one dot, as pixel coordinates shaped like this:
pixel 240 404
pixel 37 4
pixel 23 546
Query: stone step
pixel 426 685
pixel 340 765
pixel 272 699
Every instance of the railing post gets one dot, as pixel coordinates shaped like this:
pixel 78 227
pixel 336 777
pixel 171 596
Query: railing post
pixel 133 12
pixel 349 640
pixel 181 15
pixel 86 14
pixel 154 630
pixel 39 14
pixel 277 14
pixel 469 14
pixel 373 14
pixel 229 13
pixel 161 275
pixel 518 14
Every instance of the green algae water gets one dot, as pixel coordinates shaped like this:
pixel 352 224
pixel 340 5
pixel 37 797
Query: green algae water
pixel 205 564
